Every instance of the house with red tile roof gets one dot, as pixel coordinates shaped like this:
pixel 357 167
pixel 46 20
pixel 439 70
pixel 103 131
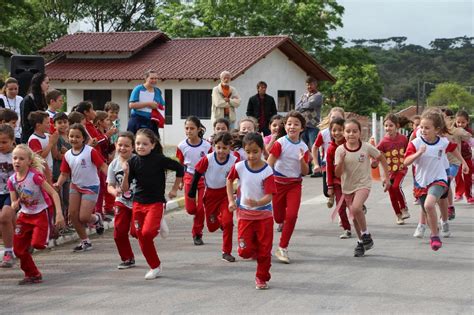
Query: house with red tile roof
pixel 106 66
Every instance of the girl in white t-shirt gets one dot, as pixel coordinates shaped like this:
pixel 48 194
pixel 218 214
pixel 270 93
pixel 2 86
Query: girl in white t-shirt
pixel 81 163
pixel 30 190
pixel 353 167
pixel 12 101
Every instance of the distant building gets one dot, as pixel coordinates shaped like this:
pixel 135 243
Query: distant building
pixel 107 66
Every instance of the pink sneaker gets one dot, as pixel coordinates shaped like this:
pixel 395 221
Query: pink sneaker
pixel 7 261
pixel 470 200
pixel 260 284
pixel 457 198
pixel 435 243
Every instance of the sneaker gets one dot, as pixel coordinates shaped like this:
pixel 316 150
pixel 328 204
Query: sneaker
pixel 359 251
pixel 458 198
pixel 282 255
pixel 99 225
pixel 435 243
pixel 7 261
pixel 31 280
pixel 444 227
pixel 260 284
pixel 153 273
pixel 347 234
pixel 280 227
pixel 82 247
pixel 416 202
pixel 400 219
pixel 164 229
pixel 364 208
pixel 367 241
pixel 451 213
pixel 405 214
pixel 470 200
pixel 228 257
pixel 330 202
pixel 198 240
pixel 420 231
pixel 130 263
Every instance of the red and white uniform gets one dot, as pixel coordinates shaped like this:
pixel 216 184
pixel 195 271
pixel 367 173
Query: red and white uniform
pixel 83 168
pixel 32 225
pixel 287 170
pixel 189 155
pixel 241 154
pixel 255 224
pixel 322 141
pixel 216 204
pixel 38 143
pixel 432 164
pixel 51 120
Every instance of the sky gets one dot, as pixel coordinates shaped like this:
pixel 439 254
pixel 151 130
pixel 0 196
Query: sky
pixel 419 20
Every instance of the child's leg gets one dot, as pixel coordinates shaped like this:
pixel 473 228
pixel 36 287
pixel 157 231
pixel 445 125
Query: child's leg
pixel 212 204
pixel 443 208
pixel 360 196
pixel 398 183
pixel 246 235
pixel 22 241
pixel 198 224
pixel 264 231
pixel 392 192
pixel 467 178
pixel 74 206
pixel 147 220
pixel 460 186
pixel 325 185
pixel 429 206
pixel 65 200
pixel 99 205
pixel 7 216
pixel 122 222
pixel 293 200
pixel 279 204
pixel 189 204
pixel 342 210
pixel 227 223
pixel 357 229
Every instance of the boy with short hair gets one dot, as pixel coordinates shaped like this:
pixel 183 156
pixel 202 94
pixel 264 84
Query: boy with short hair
pixel 55 101
pixel 9 117
pixel 112 109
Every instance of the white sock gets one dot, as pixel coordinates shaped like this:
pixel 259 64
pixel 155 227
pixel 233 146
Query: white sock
pixel 8 249
pixel 365 232
pixel 86 240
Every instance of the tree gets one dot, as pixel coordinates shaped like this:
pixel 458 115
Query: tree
pixel 306 21
pixel 452 95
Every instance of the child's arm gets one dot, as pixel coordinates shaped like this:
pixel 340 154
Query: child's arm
pixel 15 205
pixel 386 178
pixel 230 195
pixel 103 168
pixel 330 171
pixel 271 160
pixel 339 169
pixel 126 173
pixel 114 191
pixel 465 167
pixel 411 157
pixel 261 202
pixel 304 163
pixel 173 165
pixel 314 153
pixel 174 190
pixel 57 203
pixel 63 177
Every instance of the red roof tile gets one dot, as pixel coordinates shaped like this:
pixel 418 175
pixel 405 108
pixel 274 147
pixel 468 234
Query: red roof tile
pixel 187 59
pixel 103 42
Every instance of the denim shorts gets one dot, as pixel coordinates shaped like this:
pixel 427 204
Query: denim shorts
pixel 452 170
pixel 90 197
pixel 5 201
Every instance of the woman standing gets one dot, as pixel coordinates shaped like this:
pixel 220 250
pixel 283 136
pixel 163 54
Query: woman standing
pixel 35 100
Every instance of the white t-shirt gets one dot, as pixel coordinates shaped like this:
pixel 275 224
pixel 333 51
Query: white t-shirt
pixel 189 155
pixel 37 143
pixel 287 154
pixel 115 178
pixel 14 105
pixel 215 173
pixel 323 140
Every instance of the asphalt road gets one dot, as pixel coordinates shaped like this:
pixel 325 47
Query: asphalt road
pixel 400 274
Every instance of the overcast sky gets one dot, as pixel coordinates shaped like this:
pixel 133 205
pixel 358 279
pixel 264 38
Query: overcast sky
pixel 419 20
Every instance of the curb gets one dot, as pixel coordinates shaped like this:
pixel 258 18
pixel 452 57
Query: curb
pixel 171 206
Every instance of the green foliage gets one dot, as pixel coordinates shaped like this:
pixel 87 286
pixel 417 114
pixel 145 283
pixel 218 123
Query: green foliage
pixel 452 95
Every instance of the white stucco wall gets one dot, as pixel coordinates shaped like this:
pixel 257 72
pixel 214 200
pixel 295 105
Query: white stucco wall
pixel 275 69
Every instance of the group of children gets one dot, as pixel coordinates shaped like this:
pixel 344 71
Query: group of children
pixel 95 169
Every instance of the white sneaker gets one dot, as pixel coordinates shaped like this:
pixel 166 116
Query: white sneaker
pixel 347 234
pixel 153 273
pixel 420 231
pixel 405 214
pixel 444 227
pixel 164 229
pixel 282 255
pixel 400 220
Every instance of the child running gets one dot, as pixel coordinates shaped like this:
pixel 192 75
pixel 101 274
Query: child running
pixel 254 207
pixel 81 164
pixel 215 167
pixel 289 159
pixel 7 214
pixel 30 191
pixel 464 181
pixel 428 153
pixel 148 170
pixel 277 130
pixel 353 167
pixel 393 146
pixel 334 183
pixel 189 152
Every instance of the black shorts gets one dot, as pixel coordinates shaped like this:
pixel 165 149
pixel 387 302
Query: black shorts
pixel 5 201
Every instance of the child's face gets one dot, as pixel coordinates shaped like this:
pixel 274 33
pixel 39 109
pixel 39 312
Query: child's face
pixel 337 132
pixel 428 129
pixel 61 125
pixel 143 145
pixel 11 123
pixel 76 138
pixel 416 123
pixel 352 133
pixel 461 122
pixel 191 130
pixel 124 147
pixel 390 127
pixel 6 143
pixel 90 114
pixel 21 160
pixel 275 126
pixel 293 127
pixel 83 121
pixel 57 103
pixel 43 127
pixel 222 150
pixel 113 115
pixel 335 114
pixel 253 151
pixel 246 127
pixel 220 127
pixel 11 90
pixel 104 124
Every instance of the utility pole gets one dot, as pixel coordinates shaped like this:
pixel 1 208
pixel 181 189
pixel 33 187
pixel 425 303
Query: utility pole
pixel 418 97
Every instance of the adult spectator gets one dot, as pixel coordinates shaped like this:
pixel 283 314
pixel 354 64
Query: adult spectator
pixel 147 105
pixel 35 100
pixel 225 100
pixel 310 107
pixel 11 100
pixel 262 106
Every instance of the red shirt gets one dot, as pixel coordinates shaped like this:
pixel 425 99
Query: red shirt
pixel 466 150
pixel 331 177
pixel 394 151
pixel 94 133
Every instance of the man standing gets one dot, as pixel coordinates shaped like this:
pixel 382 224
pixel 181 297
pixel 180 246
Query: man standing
pixel 310 107
pixel 225 100
pixel 262 106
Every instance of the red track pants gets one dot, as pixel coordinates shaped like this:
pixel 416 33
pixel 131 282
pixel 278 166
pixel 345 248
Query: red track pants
pixel 464 181
pixel 194 206
pixel 286 204
pixel 256 238
pixel 122 226
pixel 147 219
pixel 342 209
pixel 32 230
pixel 216 207
pixel 397 197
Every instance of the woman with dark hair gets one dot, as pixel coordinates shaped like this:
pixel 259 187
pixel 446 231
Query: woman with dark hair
pixel 35 100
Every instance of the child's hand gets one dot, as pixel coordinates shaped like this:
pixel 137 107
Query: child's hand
pixel 56 186
pixel 316 168
pixel 59 221
pixel 465 168
pixel 64 150
pixel 53 138
pixel 172 194
pixel 181 185
pixel 251 202
pixel 331 192
pixel 232 206
pixel 15 205
pixel 422 149
pixel 111 132
pixel 125 168
pixel 374 164
pixel 93 142
pixel 117 192
pixel 302 154
pixel 386 184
